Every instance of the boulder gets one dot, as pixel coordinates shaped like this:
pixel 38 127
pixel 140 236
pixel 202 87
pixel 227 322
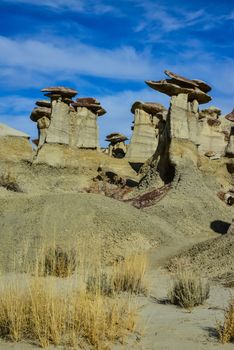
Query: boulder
pixel 60 91
pixel 230 116
pixel 43 103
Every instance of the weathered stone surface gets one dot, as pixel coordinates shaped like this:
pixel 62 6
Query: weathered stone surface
pixel 59 128
pixel 60 90
pixel 181 81
pixel 91 103
pixel 230 145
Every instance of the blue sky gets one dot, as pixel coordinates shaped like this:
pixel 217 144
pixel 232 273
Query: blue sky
pixel 107 49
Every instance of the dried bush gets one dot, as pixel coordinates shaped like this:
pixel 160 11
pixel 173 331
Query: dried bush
pixel 129 275
pixel 188 290
pixel 59 262
pixel 226 331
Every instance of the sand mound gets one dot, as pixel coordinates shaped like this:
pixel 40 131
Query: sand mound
pixel 213 258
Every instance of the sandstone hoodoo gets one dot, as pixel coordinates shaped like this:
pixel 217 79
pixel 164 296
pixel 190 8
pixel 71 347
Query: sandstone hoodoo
pixel 187 131
pixel 117 147
pixel 63 121
pixel 144 139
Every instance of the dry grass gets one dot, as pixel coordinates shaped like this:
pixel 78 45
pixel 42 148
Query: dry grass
pixel 43 313
pixel 129 275
pixel 43 308
pixel 188 290
pixel 226 331
pixel 125 276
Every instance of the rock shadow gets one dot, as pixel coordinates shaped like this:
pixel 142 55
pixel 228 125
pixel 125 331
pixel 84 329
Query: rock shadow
pixel 220 226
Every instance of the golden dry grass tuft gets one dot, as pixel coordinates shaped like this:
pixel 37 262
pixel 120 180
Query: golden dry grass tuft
pixel 188 290
pixel 58 302
pixel 41 312
pixel 226 331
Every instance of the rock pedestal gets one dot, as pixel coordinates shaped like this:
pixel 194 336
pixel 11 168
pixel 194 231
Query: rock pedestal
pixel 144 139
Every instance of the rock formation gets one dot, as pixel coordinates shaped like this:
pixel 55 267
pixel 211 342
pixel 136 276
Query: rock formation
pixel 117 147
pixel 186 131
pixel 14 144
pixel 60 120
pixel 144 139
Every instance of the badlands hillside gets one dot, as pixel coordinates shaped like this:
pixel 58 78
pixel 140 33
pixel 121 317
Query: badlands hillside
pixel 169 191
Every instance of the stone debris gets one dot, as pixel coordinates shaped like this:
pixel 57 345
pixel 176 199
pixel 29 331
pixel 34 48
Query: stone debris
pixel 117 147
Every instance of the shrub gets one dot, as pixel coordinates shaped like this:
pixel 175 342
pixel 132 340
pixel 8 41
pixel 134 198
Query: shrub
pixel 188 290
pixel 59 263
pixel 226 331
pixel 9 182
pixel 100 284
pixel 128 275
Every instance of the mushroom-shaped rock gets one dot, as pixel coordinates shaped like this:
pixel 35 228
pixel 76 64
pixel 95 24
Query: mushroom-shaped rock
pixel 60 91
pixel 230 116
pixel 43 103
pixel 149 107
pixel 116 137
pixel 165 86
pixel 40 112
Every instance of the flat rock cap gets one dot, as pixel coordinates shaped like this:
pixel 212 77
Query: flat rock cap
pixel 6 130
pixel 43 103
pixel 230 116
pixel 39 112
pixel 91 103
pixel 60 90
pixel 149 107
pixel 169 88
pixel 116 137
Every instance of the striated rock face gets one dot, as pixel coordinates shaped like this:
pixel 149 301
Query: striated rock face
pixel 144 139
pixel 117 147
pixel 60 120
pixel 14 144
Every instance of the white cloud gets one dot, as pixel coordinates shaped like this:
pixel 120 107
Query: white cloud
pixel 96 7
pixel 29 56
